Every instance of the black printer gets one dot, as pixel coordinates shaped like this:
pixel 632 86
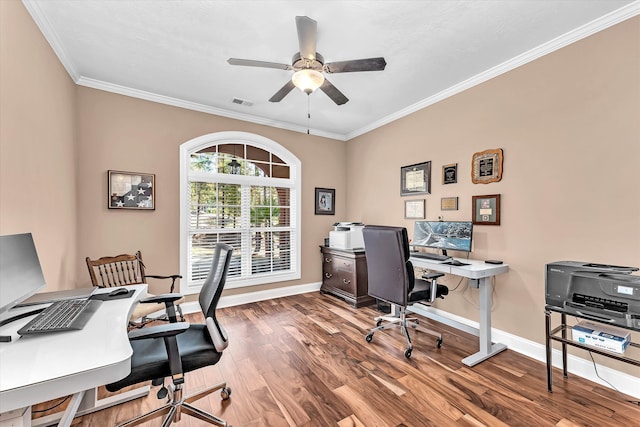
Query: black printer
pixel 605 293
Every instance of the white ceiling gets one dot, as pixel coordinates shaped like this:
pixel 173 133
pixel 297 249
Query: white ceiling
pixel 176 51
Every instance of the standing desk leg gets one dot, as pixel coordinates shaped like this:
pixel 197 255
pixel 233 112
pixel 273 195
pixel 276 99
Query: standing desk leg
pixel 547 322
pixel 70 412
pixel 487 349
pixel 564 345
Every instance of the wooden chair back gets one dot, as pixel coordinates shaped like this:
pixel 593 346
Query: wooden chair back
pixel 118 270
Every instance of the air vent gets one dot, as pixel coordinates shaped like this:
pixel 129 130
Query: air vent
pixel 242 102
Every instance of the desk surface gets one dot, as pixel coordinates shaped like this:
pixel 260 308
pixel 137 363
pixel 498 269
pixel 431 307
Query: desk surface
pixel 475 270
pixel 38 368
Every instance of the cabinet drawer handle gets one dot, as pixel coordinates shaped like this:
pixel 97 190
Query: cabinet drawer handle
pixel 328 260
pixel 328 275
pixel 345 281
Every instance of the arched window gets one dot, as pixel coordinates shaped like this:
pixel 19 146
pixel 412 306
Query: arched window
pixel 241 189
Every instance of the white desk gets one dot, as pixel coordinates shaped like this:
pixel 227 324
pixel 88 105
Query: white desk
pixel 39 368
pixel 479 273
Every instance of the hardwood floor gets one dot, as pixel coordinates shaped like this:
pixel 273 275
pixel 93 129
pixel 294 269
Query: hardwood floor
pixel 303 361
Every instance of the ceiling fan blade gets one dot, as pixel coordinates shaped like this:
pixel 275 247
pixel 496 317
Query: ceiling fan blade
pixel 261 64
pixel 369 64
pixel 307 32
pixel 333 93
pixel 284 91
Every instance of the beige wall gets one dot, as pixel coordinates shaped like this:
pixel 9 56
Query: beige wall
pixel 569 125
pixel 37 145
pixel 122 133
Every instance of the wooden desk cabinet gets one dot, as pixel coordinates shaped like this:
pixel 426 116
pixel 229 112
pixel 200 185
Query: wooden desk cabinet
pixel 344 274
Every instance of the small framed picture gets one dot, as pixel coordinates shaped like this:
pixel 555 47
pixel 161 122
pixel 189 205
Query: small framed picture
pixel 450 173
pixel 414 209
pixel 486 209
pixel 415 179
pixel 486 166
pixel 325 201
pixel 449 204
pixel 131 190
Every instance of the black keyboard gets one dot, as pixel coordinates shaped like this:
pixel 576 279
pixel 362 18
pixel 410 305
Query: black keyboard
pixel 429 255
pixel 65 315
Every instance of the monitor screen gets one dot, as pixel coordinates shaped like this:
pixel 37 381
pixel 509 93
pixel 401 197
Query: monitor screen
pixel 20 272
pixel 445 235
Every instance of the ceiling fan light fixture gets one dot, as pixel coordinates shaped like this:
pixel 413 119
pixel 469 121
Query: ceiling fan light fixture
pixel 307 80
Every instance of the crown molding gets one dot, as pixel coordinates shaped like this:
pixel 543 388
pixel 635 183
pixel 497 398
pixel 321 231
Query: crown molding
pixel 175 102
pixel 597 25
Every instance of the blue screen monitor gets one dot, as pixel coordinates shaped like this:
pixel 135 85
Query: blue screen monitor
pixel 444 235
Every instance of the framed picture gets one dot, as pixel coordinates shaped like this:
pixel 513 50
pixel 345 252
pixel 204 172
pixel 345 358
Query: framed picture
pixel 325 201
pixel 486 166
pixel 414 209
pixel 415 179
pixel 486 209
pixel 449 204
pixel 450 173
pixel 131 190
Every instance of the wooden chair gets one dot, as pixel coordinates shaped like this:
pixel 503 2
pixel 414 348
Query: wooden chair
pixel 126 269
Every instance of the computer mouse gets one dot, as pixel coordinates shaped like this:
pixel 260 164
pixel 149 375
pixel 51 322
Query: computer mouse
pixel 119 291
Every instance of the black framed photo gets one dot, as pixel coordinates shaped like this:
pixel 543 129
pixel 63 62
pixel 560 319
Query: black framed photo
pixel 486 209
pixel 131 190
pixel 450 173
pixel 325 201
pixel 415 179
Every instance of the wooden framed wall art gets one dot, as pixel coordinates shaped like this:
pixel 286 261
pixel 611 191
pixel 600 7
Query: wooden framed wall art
pixel 486 209
pixel 131 190
pixel 486 166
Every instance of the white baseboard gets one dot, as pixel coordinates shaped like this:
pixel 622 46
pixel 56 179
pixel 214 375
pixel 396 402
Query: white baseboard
pixel 233 300
pixel 625 383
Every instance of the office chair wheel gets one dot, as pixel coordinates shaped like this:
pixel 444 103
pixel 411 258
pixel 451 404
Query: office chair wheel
pixel 407 353
pixel 379 322
pixel 439 342
pixel 225 393
pixel 369 337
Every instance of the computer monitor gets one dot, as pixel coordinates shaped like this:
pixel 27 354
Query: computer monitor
pixel 20 272
pixel 444 235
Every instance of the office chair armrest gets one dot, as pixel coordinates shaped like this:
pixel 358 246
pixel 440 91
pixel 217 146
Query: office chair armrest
pixel 159 331
pixel 173 278
pixel 161 298
pixel 433 292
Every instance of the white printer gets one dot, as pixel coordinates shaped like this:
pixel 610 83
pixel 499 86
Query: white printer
pixel 346 235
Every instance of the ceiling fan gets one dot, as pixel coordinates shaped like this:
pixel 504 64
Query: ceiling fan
pixel 309 66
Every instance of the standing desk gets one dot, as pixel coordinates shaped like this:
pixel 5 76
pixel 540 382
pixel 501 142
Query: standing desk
pixel 38 368
pixel 480 274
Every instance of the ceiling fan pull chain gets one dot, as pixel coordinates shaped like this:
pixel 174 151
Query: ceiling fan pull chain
pixel 308 113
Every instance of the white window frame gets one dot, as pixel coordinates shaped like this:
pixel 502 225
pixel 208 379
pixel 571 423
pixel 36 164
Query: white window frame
pixel 295 177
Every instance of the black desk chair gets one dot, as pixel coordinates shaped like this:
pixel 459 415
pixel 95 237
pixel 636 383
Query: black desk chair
pixel 170 350
pixel 391 279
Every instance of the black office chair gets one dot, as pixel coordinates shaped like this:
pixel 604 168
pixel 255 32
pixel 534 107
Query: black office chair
pixel 170 350
pixel 391 279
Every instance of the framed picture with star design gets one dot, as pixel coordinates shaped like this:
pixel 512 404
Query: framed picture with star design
pixel 131 190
